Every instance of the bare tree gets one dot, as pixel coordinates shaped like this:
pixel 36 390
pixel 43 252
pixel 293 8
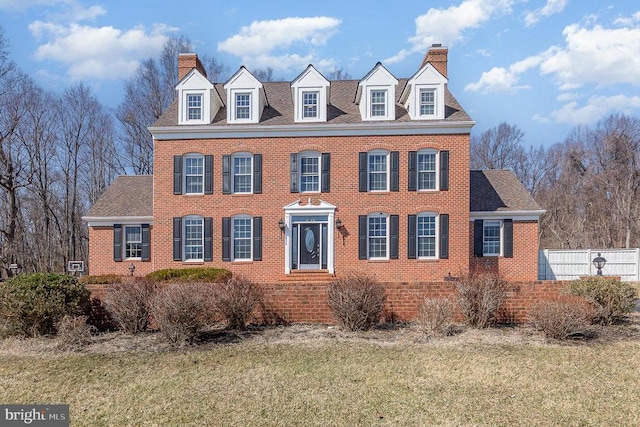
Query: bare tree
pixel 339 74
pixel 498 148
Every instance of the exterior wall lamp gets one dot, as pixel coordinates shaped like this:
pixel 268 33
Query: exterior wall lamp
pixel 599 263
pixel 339 224
pixel 131 269
pixel 281 226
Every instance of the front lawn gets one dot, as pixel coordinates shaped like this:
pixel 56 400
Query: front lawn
pixel 248 380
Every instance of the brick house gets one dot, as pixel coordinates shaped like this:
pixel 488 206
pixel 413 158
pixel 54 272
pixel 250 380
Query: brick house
pixel 304 180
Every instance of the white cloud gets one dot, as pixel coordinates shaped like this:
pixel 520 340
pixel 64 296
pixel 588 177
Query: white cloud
pixel 500 79
pixel 22 5
pixel 447 26
pixel 551 8
pixel 596 108
pixel 261 44
pixel 98 52
pixel 67 10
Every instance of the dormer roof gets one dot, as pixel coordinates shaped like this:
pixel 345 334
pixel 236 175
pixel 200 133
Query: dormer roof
pixel 378 75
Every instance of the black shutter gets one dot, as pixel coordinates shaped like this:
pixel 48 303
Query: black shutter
pixel 362 172
pixel 226 174
pixel 395 171
pixel 293 171
pixel 325 176
pixel 444 236
pixel 413 171
pixel 177 239
pixel 444 170
pixel 208 174
pixel 117 242
pixel 257 238
pixel 393 235
pixel 411 236
pixel 508 238
pixel 478 230
pixel 146 238
pixel 257 174
pixel 226 239
pixel 208 239
pixel 362 236
pixel 177 174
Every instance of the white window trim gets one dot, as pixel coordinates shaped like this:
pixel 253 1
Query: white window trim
pixel 415 101
pixel 233 238
pixel 310 154
pixel 385 92
pixel 437 235
pixel 434 91
pixel 501 224
pixel 388 172
pixel 389 111
pixel 235 95
pixel 124 240
pixel 184 237
pixel 184 172
pixel 303 93
pixel 387 238
pixel 233 172
pixel 437 170
pixel 185 107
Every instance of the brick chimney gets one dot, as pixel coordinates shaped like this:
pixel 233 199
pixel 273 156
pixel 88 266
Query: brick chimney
pixel 437 56
pixel 188 61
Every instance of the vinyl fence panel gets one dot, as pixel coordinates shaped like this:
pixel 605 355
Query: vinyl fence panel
pixel 561 264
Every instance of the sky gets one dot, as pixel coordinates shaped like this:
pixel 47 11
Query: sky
pixel 545 66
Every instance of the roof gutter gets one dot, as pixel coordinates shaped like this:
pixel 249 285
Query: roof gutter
pixel 520 215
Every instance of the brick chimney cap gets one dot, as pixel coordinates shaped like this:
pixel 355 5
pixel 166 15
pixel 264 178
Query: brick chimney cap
pixel 436 45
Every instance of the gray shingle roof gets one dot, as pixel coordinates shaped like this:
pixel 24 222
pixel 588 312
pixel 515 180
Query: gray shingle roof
pixel 128 195
pixel 342 108
pixel 499 190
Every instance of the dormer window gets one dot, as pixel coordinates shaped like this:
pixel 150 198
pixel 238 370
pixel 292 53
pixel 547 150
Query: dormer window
pixel 243 106
pixel 378 103
pixel 310 105
pixel 194 106
pixel 427 102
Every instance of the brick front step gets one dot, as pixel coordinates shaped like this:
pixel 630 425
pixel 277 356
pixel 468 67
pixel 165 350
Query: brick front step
pixel 311 276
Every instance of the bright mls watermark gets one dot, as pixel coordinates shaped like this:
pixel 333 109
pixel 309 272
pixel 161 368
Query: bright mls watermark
pixel 34 415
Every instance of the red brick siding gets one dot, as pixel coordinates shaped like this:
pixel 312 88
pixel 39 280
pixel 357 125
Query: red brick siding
pixel 101 255
pixel 523 265
pixel 344 194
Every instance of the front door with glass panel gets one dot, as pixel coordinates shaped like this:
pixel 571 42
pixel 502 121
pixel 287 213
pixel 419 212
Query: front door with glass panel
pixel 309 243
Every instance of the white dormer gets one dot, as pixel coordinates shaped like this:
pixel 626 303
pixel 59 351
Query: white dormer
pixel 311 93
pixel 376 94
pixel 198 101
pixel 245 98
pixel 423 96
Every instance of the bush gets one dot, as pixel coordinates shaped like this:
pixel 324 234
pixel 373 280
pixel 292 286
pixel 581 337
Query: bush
pixel 612 298
pixel 105 279
pixel 356 301
pixel 480 296
pixel 181 310
pixel 196 275
pixel 563 318
pixel 32 304
pixel 435 317
pixel 128 304
pixel 73 332
pixel 236 299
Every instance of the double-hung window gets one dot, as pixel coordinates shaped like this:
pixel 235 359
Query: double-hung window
pixel 242 237
pixel 132 242
pixel 377 236
pixel 310 172
pixel 378 171
pixel 243 106
pixel 193 239
pixel 194 174
pixel 194 106
pixel 242 173
pixel 309 105
pixel 426 234
pixel 427 102
pixel 427 170
pixel 491 234
pixel 378 103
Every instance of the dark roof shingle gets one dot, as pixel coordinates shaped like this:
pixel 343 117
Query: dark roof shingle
pixel 128 195
pixel 495 190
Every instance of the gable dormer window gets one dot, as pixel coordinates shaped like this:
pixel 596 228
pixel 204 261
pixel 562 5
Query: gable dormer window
pixel 243 106
pixel 194 106
pixel 310 105
pixel 378 103
pixel 427 102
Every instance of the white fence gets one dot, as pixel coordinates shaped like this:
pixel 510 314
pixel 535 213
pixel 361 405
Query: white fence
pixel 561 264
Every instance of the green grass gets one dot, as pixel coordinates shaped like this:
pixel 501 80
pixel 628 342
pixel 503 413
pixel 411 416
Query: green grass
pixel 338 384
